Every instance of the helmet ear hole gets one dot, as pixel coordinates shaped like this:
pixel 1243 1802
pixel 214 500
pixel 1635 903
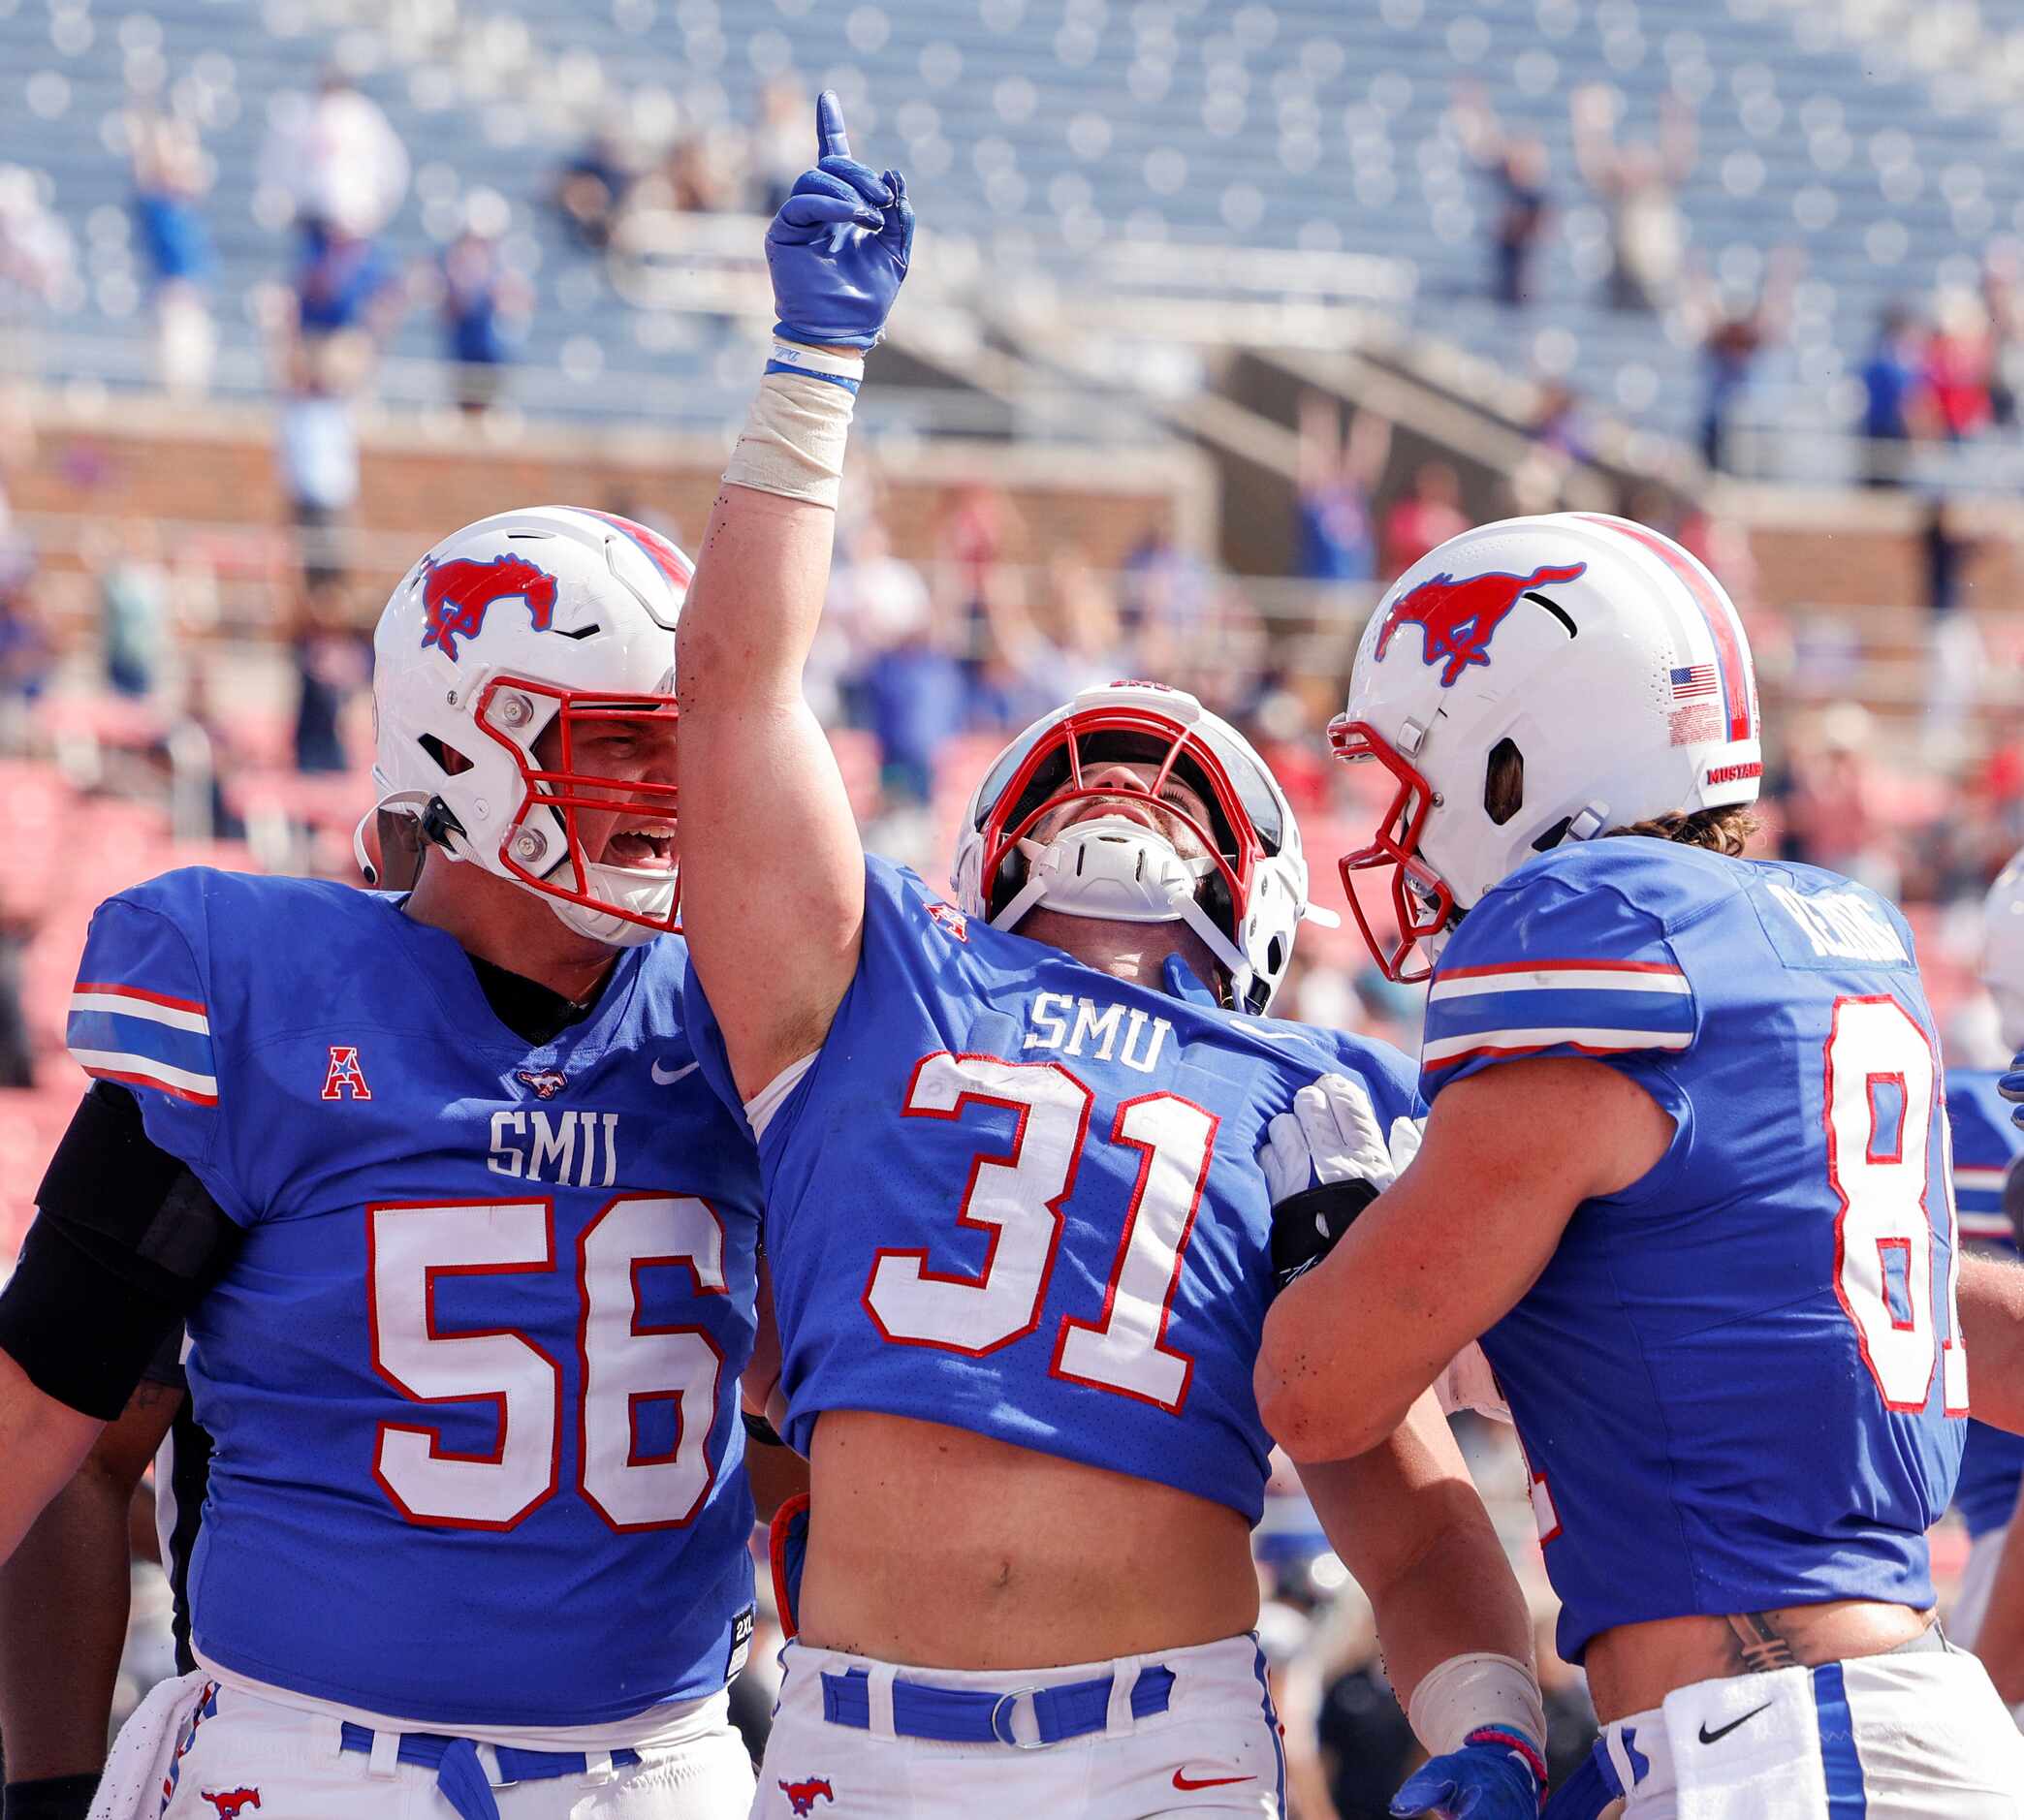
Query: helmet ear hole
pixel 1504 782
pixel 449 760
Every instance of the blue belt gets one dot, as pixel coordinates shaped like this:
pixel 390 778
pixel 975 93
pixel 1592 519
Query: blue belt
pixel 462 1777
pixel 974 1716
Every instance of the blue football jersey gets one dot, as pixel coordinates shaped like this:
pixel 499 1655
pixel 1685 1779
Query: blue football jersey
pixel 1015 1195
pixel 1984 1143
pixel 472 1374
pixel 1737 1382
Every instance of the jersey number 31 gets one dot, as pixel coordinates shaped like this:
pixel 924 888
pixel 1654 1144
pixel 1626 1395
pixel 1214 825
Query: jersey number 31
pixel 1017 1200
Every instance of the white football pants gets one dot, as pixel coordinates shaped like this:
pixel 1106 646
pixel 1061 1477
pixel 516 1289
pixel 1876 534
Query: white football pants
pixel 1184 1732
pixel 237 1756
pixel 1972 1600
pixel 1895 1737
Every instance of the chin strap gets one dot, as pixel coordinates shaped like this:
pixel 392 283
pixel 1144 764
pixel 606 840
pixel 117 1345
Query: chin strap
pixel 411 803
pixel 648 893
pixel 1119 870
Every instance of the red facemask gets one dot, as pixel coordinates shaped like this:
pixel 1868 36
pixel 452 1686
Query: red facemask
pixel 1167 743
pixel 570 793
pixel 1421 900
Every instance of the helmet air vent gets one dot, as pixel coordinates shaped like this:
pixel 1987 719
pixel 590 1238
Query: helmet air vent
pixel 449 760
pixel 1504 782
pixel 1559 612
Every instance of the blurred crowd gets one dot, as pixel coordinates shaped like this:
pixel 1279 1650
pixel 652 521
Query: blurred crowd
pixel 1940 369
pixel 620 175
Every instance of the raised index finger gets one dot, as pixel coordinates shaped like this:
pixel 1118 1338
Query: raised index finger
pixel 830 140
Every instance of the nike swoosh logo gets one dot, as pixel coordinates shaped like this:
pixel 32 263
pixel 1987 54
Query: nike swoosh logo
pixel 1723 1731
pixel 674 1074
pixel 1184 1782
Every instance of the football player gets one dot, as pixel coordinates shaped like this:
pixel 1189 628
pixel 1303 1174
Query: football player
pixel 1685 1173
pixel 1988 1611
pixel 465 1244
pixel 64 1603
pixel 64 1592
pixel 1022 1249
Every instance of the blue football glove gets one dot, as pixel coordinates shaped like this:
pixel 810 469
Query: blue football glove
pixel 839 247
pixel 2012 1087
pixel 1496 1776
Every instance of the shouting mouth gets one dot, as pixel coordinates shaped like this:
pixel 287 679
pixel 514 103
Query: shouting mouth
pixel 644 847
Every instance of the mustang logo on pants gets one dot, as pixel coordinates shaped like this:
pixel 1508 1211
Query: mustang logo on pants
pixel 233 1802
pixel 800 1796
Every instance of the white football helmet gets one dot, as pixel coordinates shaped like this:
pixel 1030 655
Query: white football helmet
pixel 555 614
pixel 2002 951
pixel 1244 897
pixel 1604 655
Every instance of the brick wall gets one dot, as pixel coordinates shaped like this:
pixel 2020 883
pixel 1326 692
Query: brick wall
pixel 421 477
pixel 1867 550
pixel 424 476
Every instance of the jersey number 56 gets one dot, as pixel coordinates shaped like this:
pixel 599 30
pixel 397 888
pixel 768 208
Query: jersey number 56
pixel 622 1364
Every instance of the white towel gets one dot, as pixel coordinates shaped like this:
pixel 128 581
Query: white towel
pixel 1746 1748
pixel 138 1763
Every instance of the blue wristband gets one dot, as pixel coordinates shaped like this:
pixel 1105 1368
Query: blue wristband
pixel 808 372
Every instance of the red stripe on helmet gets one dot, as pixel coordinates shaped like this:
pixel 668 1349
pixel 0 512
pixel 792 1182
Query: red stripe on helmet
pixel 1715 610
pixel 664 556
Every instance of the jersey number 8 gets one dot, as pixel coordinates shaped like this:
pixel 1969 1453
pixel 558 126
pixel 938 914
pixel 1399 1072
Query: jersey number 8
pixel 1880 1104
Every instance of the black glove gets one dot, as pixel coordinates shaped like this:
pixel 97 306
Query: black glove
pixel 1306 1225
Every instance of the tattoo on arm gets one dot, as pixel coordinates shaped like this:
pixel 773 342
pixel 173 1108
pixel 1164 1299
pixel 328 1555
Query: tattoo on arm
pixel 1761 1646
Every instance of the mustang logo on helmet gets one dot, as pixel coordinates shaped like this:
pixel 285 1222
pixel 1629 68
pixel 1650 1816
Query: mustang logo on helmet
pixel 457 593
pixel 1457 619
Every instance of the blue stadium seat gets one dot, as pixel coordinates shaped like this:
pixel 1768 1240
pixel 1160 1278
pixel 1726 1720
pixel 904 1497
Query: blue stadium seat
pixel 1324 124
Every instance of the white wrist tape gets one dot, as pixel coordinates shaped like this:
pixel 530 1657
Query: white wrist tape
pixel 1469 1383
pixel 1468 1692
pixel 793 441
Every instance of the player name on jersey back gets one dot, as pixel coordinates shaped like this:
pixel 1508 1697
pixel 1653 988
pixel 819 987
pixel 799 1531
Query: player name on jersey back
pixel 472 1375
pixel 1841 925
pixel 1017 1195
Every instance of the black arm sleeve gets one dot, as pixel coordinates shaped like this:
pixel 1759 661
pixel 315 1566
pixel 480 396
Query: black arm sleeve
pixel 2014 1198
pixel 124 1245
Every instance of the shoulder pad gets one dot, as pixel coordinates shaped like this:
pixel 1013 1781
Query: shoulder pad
pixel 1566 958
